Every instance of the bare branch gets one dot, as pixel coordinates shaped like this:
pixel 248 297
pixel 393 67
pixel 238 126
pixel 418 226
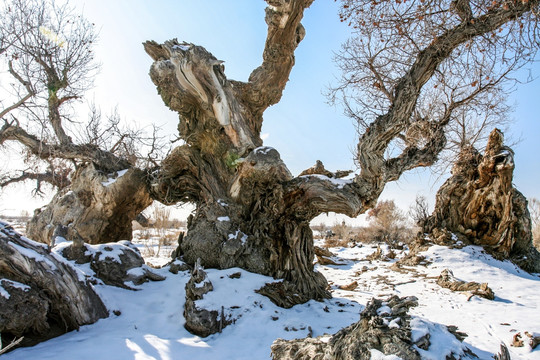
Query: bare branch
pixel 21 101
pixel 11 345
pixel 285 32
pixel 86 152
pixel 57 179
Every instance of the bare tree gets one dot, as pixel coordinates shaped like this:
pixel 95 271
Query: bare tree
pixel 388 221
pixel 419 211
pixel 458 64
pixel 250 211
pixel 46 49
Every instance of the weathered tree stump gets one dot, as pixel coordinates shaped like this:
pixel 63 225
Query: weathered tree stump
pixel 356 341
pixel 116 264
pixel 384 326
pixel 480 203
pixel 447 280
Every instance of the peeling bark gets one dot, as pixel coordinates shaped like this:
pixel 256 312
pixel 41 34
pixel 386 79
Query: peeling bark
pixel 480 203
pixel 41 295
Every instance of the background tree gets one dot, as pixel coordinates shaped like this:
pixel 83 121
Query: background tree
pixel 388 221
pixel 46 50
pixel 479 203
pixel 473 56
pixel 419 211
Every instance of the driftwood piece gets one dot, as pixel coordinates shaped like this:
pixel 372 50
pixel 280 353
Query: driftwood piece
pixel 349 287
pixel 324 256
pixel 517 341
pixel 534 339
pixel 41 294
pixel 447 280
pixel 11 345
pixel 504 354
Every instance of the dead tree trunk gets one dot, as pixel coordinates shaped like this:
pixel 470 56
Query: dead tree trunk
pixel 98 207
pixel 245 215
pixel 41 296
pixel 480 202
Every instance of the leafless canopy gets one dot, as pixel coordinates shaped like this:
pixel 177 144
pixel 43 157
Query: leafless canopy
pixel 433 64
pixel 47 64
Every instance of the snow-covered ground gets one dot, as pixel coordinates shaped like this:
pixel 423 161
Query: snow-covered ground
pixel 150 325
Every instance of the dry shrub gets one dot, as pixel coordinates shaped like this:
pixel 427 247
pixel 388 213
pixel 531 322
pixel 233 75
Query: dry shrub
pixel 335 242
pixel 387 224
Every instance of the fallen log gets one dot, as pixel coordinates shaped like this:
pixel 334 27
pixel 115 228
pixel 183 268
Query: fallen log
pixel 41 294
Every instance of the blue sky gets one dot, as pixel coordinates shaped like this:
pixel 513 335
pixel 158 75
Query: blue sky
pixel 302 126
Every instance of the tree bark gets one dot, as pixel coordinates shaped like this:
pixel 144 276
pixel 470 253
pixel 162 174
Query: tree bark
pixel 41 295
pixel 96 208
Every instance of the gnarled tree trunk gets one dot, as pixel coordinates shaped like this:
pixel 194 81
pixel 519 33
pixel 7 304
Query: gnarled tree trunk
pixel 98 207
pixel 480 202
pixel 246 214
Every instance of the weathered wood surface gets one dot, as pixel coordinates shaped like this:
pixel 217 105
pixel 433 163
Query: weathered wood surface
pixel 357 340
pixel 96 208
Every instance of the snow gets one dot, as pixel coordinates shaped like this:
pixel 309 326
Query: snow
pixel 442 343
pixel 151 324
pixel 339 183
pixel 111 178
pixel 243 239
pixel 32 254
pixel 82 270
pixel 222 203
pixel 384 310
pixel 5 293
pixel 107 251
pixel 223 218
pixel 183 47
pixel 264 150
pixel 377 355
